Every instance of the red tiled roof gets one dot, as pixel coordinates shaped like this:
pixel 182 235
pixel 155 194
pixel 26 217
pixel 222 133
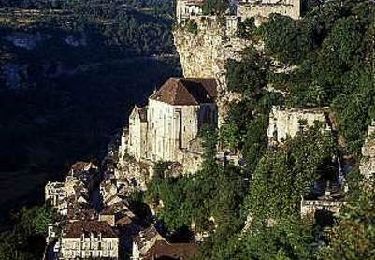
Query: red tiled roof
pixel 163 249
pixel 187 92
pixel 76 229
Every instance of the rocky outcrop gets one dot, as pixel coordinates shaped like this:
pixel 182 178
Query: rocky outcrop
pixel 204 51
pixel 367 165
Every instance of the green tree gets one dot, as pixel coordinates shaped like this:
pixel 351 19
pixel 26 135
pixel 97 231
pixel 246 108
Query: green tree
pixel 249 75
pixel 215 7
pixel 354 236
pixel 284 175
pixel 285 39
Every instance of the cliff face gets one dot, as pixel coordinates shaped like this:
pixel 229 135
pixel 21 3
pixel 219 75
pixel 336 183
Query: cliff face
pixel 367 164
pixel 203 53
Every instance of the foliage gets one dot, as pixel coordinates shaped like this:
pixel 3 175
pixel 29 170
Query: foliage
pixel 247 28
pixel 354 236
pixel 191 26
pixel 331 46
pixel 285 40
pixel 213 191
pixel 284 175
pixel 215 7
pixel 288 239
pixel 249 75
pixel 27 238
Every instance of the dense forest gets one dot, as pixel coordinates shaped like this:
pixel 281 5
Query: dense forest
pixel 70 73
pixel 326 60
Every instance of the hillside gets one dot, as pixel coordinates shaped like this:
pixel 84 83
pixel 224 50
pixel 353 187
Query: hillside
pixel 277 113
pixel 69 78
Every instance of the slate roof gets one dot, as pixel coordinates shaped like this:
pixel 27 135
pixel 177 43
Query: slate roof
pixel 187 91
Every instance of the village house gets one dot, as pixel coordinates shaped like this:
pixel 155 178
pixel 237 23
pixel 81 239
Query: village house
pixel 324 208
pixel 74 193
pixel 89 240
pixel 149 245
pixel 168 127
pixel 188 8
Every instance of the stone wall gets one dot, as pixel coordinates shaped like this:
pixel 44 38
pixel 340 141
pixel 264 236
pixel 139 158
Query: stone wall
pixel 367 165
pixel 284 122
pixel 262 11
pixel 309 207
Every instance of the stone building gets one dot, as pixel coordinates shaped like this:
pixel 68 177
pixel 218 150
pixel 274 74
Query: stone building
pixel 323 208
pixel 149 244
pixel 258 9
pixel 74 192
pixel 167 128
pixel 89 240
pixel 261 10
pixel 188 8
pixel 55 193
pixel 287 122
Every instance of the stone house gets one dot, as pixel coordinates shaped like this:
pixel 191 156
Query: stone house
pixel 74 192
pixel 149 244
pixel 188 8
pixel 54 193
pixel 168 127
pixel 88 240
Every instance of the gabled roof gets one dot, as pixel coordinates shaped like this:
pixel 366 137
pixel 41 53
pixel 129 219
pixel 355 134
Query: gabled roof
pixel 187 92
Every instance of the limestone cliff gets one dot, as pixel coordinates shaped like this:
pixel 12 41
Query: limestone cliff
pixel 204 51
pixel 367 164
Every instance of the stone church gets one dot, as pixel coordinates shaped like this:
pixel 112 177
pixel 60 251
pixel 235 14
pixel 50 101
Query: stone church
pixel 167 128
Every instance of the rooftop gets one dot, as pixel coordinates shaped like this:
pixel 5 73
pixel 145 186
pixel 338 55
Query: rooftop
pixel 187 91
pixel 76 229
pixel 162 249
